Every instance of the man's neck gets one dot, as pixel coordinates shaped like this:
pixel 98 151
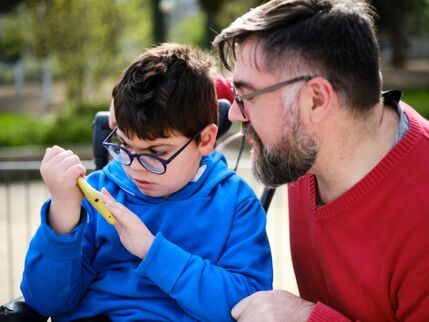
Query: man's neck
pixel 352 148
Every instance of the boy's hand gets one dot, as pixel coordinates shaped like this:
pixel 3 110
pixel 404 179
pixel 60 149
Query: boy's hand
pixel 134 234
pixel 60 169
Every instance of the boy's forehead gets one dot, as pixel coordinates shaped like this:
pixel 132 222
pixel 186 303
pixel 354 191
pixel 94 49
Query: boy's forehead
pixel 172 137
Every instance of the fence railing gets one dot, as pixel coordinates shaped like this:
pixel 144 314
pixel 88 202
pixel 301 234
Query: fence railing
pixel 22 192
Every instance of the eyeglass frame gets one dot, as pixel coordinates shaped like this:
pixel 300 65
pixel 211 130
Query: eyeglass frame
pixel 137 156
pixel 240 98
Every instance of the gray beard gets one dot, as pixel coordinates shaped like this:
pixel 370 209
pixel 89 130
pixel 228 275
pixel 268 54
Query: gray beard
pixel 288 160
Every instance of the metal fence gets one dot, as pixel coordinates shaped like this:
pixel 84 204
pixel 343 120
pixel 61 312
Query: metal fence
pixel 22 192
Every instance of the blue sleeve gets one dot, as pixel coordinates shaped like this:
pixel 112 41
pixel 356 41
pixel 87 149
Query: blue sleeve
pixel 56 270
pixel 208 291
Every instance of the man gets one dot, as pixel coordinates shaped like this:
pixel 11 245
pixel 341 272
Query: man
pixel 307 89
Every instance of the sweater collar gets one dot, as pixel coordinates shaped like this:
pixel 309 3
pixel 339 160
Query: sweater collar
pixel 384 168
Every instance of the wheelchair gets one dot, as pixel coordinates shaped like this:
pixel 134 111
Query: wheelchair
pixel 17 310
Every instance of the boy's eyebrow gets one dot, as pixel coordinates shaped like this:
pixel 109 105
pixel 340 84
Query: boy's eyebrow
pixel 120 137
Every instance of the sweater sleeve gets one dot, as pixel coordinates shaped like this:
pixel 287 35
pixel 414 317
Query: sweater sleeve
pixel 208 291
pixel 56 270
pixel 323 313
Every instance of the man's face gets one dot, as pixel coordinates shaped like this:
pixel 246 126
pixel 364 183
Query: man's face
pixel 286 160
pixel 283 150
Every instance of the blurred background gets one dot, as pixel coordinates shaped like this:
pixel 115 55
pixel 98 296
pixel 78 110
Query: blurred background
pixel 59 60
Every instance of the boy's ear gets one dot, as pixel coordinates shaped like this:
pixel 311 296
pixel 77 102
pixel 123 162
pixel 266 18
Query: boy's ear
pixel 208 139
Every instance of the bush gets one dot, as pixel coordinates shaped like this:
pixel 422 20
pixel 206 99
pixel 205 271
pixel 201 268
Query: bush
pixel 418 99
pixel 71 125
pixel 21 129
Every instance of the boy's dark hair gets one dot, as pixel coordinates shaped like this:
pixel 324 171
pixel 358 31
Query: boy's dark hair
pixel 167 88
pixel 331 38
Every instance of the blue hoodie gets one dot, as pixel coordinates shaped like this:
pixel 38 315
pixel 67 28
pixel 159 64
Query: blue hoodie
pixel 210 251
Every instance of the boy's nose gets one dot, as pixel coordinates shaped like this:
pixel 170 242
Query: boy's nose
pixel 137 166
pixel 235 114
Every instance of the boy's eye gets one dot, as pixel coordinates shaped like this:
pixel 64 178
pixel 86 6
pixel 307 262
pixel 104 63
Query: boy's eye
pixel 158 153
pixel 122 144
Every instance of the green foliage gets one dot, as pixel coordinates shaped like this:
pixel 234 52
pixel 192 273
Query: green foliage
pixel 233 9
pixel 12 38
pixel 185 31
pixel 419 99
pixel 71 125
pixel 21 129
pixel 81 35
pixel 136 27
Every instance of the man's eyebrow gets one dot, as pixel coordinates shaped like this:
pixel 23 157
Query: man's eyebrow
pixel 243 84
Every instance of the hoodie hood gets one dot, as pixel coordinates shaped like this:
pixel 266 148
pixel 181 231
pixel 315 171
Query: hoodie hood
pixel 201 185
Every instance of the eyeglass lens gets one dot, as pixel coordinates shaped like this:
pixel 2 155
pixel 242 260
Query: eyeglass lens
pixel 123 156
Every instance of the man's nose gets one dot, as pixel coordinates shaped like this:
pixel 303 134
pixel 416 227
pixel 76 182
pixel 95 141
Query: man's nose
pixel 235 114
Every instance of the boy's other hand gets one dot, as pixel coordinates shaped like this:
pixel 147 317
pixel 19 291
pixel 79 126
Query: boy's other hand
pixel 60 169
pixel 133 233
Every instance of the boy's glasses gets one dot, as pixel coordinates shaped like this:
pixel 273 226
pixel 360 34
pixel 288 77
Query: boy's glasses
pixel 240 99
pixel 150 162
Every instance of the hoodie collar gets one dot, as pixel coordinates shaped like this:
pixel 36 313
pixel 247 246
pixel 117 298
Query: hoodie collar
pixel 200 184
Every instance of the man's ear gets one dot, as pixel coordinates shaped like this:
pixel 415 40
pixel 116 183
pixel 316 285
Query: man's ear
pixel 318 99
pixel 208 139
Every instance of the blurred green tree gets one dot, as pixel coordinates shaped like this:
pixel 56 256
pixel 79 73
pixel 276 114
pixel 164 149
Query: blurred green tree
pixel 82 37
pixel 211 9
pixel 397 18
pixel 220 14
pixel 12 37
pixel 9 5
pixel 136 28
pixel 158 22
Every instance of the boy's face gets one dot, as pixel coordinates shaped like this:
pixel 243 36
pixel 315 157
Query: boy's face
pixel 179 171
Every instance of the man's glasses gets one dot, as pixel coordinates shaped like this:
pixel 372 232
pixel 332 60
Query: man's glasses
pixel 150 162
pixel 240 99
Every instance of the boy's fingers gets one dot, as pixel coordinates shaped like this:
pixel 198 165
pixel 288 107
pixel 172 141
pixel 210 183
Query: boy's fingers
pixel 118 210
pixel 106 193
pixel 51 153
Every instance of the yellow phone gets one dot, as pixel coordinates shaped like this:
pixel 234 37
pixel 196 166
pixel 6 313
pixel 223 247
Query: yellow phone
pixel 94 199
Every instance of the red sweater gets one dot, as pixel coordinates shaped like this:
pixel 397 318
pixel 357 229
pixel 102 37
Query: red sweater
pixel 365 256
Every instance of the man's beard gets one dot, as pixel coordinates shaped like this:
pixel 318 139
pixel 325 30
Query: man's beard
pixel 288 159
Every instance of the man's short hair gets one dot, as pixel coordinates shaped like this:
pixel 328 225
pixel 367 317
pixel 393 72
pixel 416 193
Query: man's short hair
pixel 332 38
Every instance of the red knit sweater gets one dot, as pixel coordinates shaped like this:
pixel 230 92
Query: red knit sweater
pixel 365 256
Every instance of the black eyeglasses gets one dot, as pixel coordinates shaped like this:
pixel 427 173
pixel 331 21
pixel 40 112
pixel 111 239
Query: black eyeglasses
pixel 240 99
pixel 150 162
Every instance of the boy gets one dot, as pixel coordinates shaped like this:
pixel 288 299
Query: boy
pixel 189 240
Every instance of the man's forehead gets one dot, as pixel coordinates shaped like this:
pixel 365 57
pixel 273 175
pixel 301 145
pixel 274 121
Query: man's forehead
pixel 250 54
pixel 250 68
